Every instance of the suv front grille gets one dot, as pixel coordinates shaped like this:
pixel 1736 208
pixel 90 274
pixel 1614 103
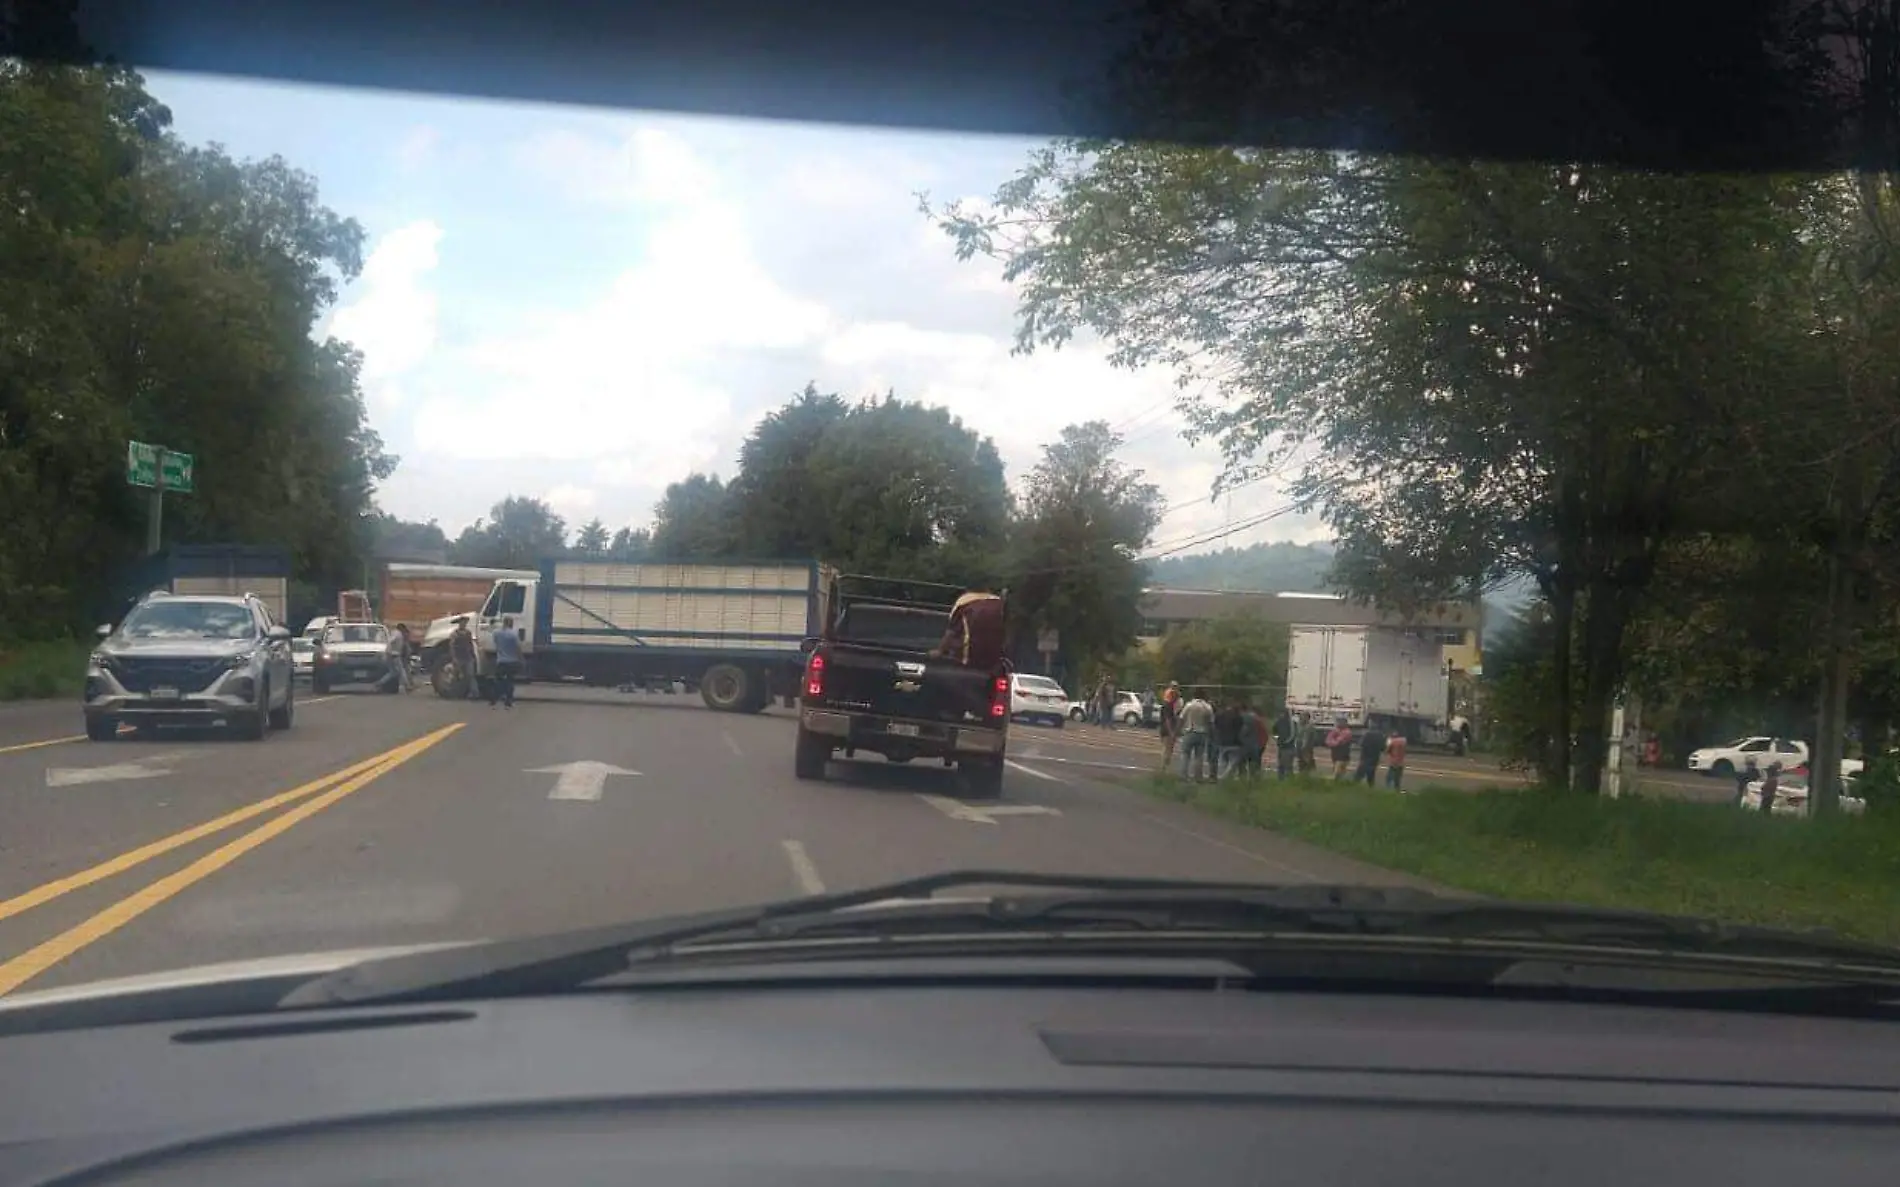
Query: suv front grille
pixel 144 673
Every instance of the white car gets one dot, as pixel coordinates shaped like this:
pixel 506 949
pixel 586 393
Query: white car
pixel 1129 709
pixel 1724 761
pixel 1037 698
pixel 1791 799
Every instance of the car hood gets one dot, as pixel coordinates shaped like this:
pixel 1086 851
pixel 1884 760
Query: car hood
pixel 307 964
pixel 177 648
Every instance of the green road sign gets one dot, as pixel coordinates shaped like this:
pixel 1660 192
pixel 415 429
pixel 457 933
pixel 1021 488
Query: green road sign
pixel 142 466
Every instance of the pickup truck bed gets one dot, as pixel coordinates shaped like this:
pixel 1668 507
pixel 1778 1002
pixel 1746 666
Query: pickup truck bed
pixel 872 686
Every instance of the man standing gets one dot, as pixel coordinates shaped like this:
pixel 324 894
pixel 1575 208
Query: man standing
pixel 1339 745
pixel 1197 726
pixel 507 664
pixel 1395 762
pixel 1283 742
pixel 1227 737
pixel 1371 750
pixel 401 647
pixel 462 654
pixel 1170 723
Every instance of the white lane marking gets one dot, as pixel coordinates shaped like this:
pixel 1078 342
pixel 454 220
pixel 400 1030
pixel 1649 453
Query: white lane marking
pixel 804 870
pixel 335 696
pixel 986 814
pixel 73 776
pixel 1295 871
pixel 730 744
pixel 1010 762
pixel 579 780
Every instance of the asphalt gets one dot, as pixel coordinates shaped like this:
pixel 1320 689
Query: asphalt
pixel 137 856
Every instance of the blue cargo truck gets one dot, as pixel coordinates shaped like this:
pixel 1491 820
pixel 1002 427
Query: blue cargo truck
pixel 731 629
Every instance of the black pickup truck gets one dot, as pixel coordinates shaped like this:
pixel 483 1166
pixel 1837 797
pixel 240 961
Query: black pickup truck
pixel 871 684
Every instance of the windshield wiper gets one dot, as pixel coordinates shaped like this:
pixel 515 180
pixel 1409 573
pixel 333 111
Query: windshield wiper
pixel 1078 907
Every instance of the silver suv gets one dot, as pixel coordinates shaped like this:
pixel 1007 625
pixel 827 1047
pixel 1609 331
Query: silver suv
pixel 192 660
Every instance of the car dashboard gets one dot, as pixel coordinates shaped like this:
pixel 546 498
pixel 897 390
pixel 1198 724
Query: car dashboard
pixel 962 1086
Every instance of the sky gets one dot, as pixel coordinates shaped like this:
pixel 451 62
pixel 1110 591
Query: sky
pixel 584 305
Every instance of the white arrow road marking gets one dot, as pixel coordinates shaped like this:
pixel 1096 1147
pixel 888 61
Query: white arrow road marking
pixel 972 814
pixel 152 767
pixel 580 780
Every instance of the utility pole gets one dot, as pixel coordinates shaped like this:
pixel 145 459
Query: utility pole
pixel 155 508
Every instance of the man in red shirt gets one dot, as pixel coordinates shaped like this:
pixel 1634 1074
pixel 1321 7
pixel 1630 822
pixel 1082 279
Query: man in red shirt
pixel 975 637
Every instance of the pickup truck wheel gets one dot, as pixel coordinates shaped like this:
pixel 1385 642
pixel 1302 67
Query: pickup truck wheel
pixel 102 728
pixel 813 752
pixel 725 687
pixel 982 778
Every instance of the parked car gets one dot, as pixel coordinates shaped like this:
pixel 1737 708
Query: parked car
pixel 1724 761
pixel 1038 698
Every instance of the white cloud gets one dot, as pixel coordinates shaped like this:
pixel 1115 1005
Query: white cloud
pixel 391 313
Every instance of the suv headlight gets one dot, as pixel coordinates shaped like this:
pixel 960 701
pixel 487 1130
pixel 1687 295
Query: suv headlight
pixel 101 659
pixel 242 659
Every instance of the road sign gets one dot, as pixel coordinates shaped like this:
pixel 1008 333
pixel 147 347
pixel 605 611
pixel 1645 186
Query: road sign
pixel 143 463
pixel 1048 642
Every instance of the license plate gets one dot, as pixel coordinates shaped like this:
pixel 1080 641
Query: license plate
pixel 901 730
pixel 164 693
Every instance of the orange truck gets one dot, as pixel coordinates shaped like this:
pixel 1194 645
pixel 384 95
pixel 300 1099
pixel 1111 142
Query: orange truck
pixel 418 594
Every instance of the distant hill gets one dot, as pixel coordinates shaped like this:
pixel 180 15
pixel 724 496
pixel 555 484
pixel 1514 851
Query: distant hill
pixel 1275 568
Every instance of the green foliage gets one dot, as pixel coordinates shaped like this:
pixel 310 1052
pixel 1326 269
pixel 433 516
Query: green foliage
pixel 43 669
pixel 1242 654
pixel 1660 855
pixel 154 290
pixel 518 532
pixel 1073 567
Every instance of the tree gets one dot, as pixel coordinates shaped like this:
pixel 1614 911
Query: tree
pixel 593 540
pixel 400 539
pixel 166 293
pixel 1074 567
pixel 1235 655
pixel 774 513
pixel 518 533
pixel 694 520
pixel 630 544
pixel 1499 364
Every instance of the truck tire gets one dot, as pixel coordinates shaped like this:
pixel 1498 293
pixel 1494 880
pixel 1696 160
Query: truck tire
pixel 446 680
pixel 812 752
pixel 982 778
pixel 726 688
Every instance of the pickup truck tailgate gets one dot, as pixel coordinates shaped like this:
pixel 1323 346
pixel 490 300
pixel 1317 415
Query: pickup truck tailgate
pixel 906 685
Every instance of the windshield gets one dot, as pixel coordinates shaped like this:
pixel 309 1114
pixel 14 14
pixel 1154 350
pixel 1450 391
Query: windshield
pixel 1311 514
pixel 169 619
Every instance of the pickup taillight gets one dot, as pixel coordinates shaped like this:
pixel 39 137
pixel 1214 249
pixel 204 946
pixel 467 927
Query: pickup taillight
pixel 999 697
pixel 815 675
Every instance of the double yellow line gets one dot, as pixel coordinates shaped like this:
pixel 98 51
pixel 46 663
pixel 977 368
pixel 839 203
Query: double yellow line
pixel 317 795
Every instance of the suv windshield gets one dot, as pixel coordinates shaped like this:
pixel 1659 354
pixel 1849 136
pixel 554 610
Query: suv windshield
pixel 356 633
pixel 189 620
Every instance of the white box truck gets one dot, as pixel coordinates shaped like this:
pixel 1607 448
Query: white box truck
pixel 1389 677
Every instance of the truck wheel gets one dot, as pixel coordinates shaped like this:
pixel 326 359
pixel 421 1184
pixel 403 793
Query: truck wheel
pixel 725 687
pixel 812 753
pixel 982 778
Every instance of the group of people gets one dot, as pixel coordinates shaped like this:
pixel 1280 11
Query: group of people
pixel 1233 741
pixel 495 667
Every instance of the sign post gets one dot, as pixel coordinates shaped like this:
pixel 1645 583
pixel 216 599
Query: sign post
pixel 1047 642
pixel 159 469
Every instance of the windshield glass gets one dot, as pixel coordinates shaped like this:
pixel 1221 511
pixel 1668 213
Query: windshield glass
pixel 171 619
pixel 1261 513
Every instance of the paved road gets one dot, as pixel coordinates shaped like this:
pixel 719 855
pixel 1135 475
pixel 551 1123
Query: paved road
pixel 389 820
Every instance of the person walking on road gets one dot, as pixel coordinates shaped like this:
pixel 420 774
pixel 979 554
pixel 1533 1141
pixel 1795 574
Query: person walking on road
pixel 401 648
pixel 1197 728
pixel 507 664
pixel 1395 763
